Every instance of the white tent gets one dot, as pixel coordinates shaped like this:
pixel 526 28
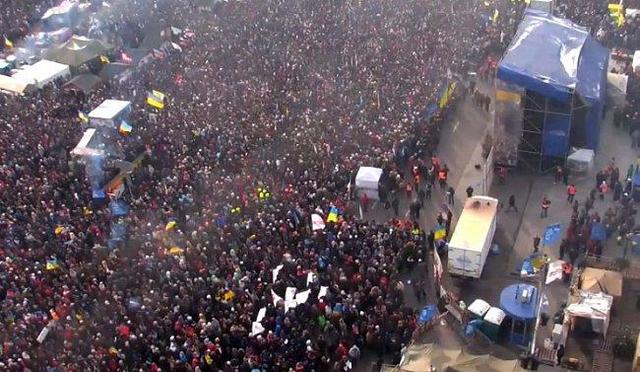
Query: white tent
pixel 108 112
pixel 367 180
pixel 11 85
pixel 42 73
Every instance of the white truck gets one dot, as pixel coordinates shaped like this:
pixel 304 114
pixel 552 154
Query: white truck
pixel 472 237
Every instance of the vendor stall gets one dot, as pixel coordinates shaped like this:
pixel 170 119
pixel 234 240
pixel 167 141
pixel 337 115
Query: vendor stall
pixel 581 161
pixel 590 314
pixel 367 180
pixel 492 324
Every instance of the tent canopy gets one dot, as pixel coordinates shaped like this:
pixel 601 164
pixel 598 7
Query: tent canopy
pixel 111 70
pixel 516 305
pixel 421 357
pixel 553 57
pixel 84 82
pixel 42 73
pixel 109 109
pixel 77 51
pixel 594 306
pixel 597 280
pixel 11 85
pixel 368 178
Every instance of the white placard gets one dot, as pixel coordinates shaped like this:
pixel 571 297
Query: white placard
pixel 290 293
pixel 291 304
pixel 256 328
pixel 275 298
pixel 261 314
pixel 555 271
pixel 323 291
pixel 276 271
pixel 302 297
pixel 43 334
pixel 311 278
pixel 316 222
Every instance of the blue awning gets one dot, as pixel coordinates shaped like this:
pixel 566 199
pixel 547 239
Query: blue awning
pixel 516 305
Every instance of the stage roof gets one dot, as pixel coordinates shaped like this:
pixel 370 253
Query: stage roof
pixel 553 57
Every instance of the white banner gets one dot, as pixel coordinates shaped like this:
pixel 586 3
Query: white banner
pixel 316 222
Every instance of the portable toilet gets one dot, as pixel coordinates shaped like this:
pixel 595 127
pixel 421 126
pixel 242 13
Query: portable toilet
pixel 492 323
pixel 478 308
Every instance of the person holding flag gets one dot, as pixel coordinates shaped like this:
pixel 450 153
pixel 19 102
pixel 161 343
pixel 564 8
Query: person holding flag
pixel 8 43
pixel 125 128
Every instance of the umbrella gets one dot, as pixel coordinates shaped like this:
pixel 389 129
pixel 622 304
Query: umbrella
pixel 77 51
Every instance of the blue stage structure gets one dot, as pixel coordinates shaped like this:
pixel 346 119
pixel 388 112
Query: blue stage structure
pixel 550 92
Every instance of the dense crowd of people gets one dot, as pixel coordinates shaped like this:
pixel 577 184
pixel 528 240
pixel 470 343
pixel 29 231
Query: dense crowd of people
pixel 279 95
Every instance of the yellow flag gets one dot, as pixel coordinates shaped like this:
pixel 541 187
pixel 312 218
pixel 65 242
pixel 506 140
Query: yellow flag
pixel 156 99
pixel 8 43
pixel 176 251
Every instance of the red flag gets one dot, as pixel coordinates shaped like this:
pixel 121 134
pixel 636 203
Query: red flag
pixel 126 58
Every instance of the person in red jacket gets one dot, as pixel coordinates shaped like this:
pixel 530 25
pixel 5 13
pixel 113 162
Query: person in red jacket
pixel 545 204
pixel 571 193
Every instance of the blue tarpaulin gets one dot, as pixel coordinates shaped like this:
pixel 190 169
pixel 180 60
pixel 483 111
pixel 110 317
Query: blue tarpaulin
pixel 556 135
pixel 552 233
pixel 118 208
pixel 472 327
pixel 554 57
pixel 598 232
pixel 427 313
pixel 118 230
pixel 98 194
pixel 543 56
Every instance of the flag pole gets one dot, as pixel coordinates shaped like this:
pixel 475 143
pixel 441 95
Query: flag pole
pixel 547 236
